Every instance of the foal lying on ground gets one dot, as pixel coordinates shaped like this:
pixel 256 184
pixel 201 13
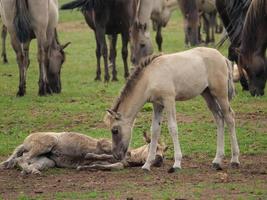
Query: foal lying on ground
pixel 73 150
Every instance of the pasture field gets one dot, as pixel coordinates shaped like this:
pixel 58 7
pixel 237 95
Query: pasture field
pixel 81 107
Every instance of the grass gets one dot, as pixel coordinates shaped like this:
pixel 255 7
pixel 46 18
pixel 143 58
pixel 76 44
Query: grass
pixel 82 104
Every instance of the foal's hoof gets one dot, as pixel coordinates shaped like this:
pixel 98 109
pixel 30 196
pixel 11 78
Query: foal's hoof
pixel 174 170
pixel 146 169
pixel 216 166
pixel 235 165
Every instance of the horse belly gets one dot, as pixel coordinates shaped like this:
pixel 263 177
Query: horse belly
pixel 188 87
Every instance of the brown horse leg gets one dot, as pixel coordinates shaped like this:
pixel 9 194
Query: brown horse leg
pixel 159 37
pixel 98 57
pixel 4 34
pixel 100 34
pixel 23 63
pixel 113 54
pixel 124 52
pixel 206 27
pixel 213 25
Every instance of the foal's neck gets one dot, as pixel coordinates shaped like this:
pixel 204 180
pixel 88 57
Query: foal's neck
pixel 133 102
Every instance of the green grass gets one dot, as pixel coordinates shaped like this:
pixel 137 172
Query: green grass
pixel 82 104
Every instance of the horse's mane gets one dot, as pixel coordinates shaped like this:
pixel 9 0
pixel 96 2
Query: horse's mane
pixel 132 80
pixel 236 11
pixel 255 16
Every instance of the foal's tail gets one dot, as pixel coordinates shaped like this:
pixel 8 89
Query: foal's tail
pixel 22 21
pixel 85 4
pixel 231 86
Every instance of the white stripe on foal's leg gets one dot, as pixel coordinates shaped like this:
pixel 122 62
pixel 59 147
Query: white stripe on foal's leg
pixel 172 125
pixel 155 129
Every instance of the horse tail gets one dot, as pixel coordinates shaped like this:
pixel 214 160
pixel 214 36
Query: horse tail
pixel 85 4
pixel 22 21
pixel 231 86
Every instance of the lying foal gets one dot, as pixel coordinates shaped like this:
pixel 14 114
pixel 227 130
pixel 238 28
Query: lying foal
pixel 44 150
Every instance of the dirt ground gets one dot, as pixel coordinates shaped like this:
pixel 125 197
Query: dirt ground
pixel 196 178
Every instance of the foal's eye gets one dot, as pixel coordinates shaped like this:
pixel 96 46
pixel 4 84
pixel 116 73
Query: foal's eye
pixel 115 130
pixel 142 46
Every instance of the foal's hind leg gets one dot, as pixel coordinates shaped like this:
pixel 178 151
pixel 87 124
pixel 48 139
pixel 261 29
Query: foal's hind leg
pixel 230 121
pixel 218 116
pixel 12 160
pixel 159 37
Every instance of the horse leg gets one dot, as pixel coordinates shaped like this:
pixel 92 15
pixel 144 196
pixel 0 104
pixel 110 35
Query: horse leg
pixel 23 62
pixel 213 25
pixel 106 167
pixel 44 87
pixel 206 27
pixel 228 115
pixel 159 37
pixel 4 34
pixel 155 130
pixel 12 160
pixel 124 52
pixel 169 105
pixel 98 56
pixel 218 116
pixel 39 164
pixel 113 54
pixel 100 34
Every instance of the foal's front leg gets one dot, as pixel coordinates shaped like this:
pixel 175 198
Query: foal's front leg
pixel 155 129
pixel 169 105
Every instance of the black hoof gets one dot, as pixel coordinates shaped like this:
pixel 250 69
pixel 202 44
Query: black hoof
pixel 97 78
pixel 107 78
pixel 20 93
pixel 216 166
pixel 115 79
pixel 126 75
pixel 173 170
pixel 235 165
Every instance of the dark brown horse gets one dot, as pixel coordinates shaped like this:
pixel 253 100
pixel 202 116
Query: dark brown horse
pixel 232 13
pixel 3 36
pixel 189 10
pixel 110 17
pixel 253 46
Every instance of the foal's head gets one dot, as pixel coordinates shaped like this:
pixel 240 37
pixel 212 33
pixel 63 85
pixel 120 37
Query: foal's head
pixel 140 41
pixel 256 69
pixel 121 131
pixel 56 58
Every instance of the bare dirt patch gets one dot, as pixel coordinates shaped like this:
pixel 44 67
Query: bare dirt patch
pixel 196 179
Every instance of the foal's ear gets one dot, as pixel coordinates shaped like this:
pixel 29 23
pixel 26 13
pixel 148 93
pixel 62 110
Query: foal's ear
pixel 114 114
pixel 65 45
pixel 146 137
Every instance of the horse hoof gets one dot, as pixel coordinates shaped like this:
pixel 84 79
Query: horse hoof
pixel 174 169
pixel 216 166
pixel 20 93
pixel 114 79
pixel 235 165
pixel 107 79
pixel 97 78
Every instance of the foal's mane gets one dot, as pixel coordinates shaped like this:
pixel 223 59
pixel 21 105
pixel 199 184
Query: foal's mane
pixel 255 17
pixel 132 80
